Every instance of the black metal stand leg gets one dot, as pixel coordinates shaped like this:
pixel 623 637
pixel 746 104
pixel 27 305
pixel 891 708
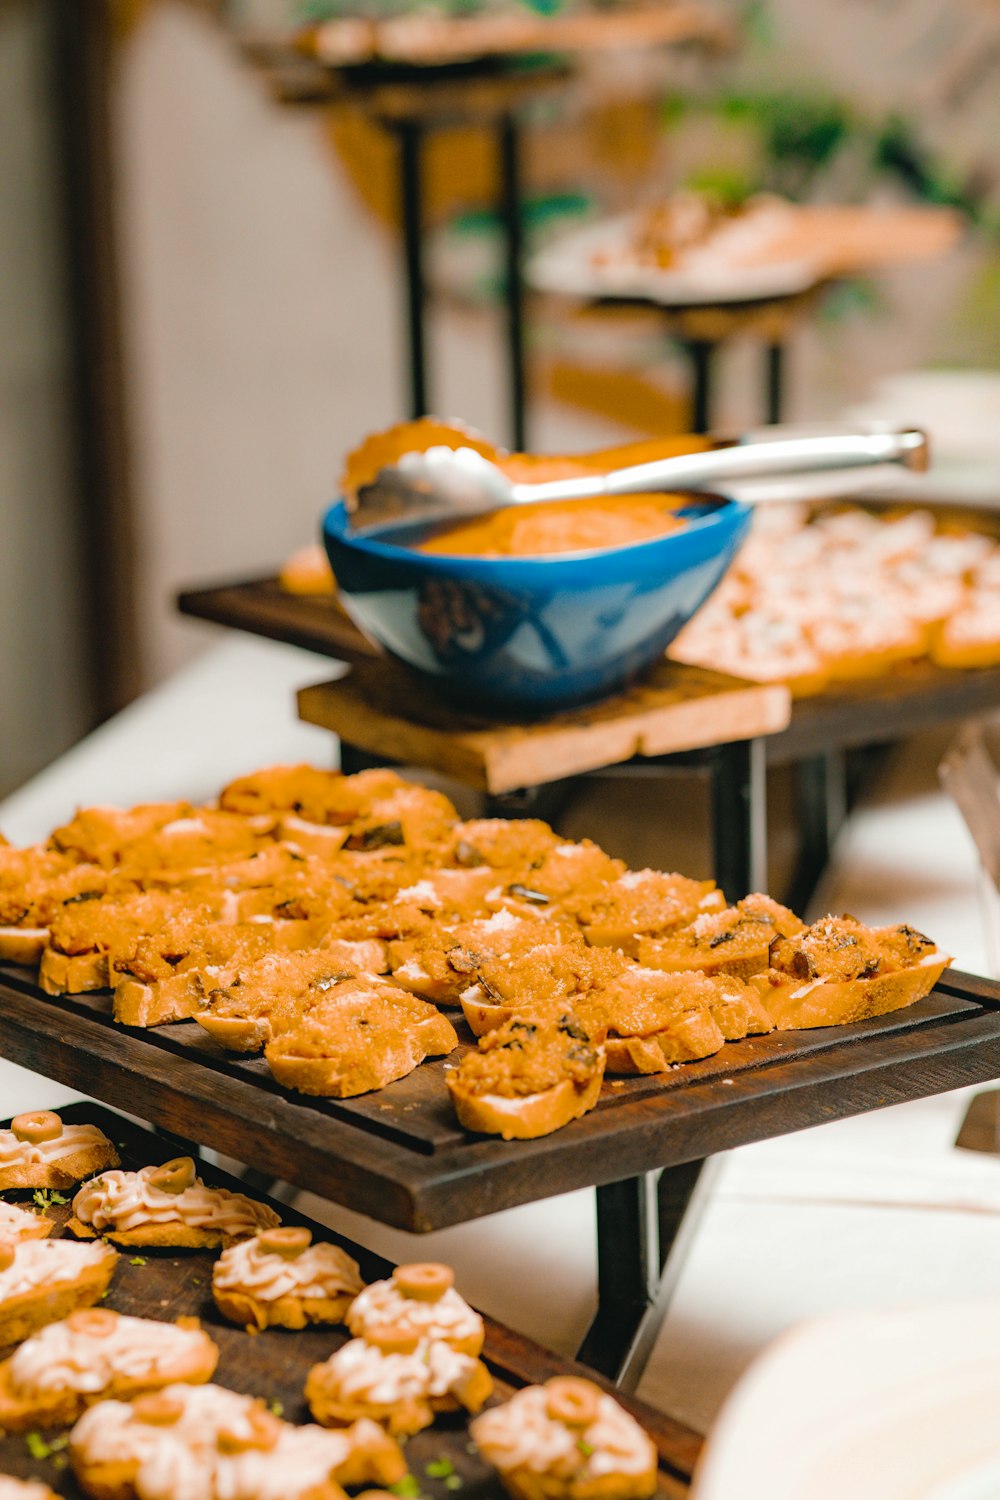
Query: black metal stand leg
pixel 739 817
pixel 628 1269
pixel 821 810
pixel 701 354
pixel 353 760
pixel 774 372
pixel 510 213
pixel 547 801
pixel 645 1226
pixel 411 203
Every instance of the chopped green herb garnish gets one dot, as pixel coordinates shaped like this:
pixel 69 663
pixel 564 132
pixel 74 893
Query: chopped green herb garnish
pixel 406 1488
pixel 137 1260
pixel 277 1408
pixel 585 1448
pixel 196 1281
pixel 439 1468
pixel 453 1482
pixel 45 1197
pixel 39 1448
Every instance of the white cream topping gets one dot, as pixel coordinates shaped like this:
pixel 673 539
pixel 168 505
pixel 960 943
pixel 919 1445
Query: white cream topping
pixel 358 1371
pixel 64 1358
pixel 73 1138
pixel 182 1461
pixel 522 1435
pixel 23 1489
pixel 382 1303
pixel 128 1200
pixel 15 1221
pixel 42 1263
pixel 321 1271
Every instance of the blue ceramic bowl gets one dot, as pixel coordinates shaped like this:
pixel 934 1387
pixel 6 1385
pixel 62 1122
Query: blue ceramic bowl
pixel 533 633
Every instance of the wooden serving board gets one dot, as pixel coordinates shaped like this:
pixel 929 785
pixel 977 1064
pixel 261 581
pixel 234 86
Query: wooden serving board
pixel 262 606
pixel 274 1364
pixel 346 48
pixel 385 710
pixel 399 1154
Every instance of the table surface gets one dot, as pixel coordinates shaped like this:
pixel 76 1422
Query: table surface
pixel 274 1363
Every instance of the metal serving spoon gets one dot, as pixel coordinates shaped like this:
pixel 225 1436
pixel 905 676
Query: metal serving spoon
pixel 445 483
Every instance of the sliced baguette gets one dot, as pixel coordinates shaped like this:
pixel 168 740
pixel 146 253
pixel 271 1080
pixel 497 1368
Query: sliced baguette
pixel 23 945
pixel 822 1002
pixel 528 1116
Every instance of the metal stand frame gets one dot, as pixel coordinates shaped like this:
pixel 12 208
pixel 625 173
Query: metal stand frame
pixel 702 355
pixel 411 136
pixel 821 806
pixel 645 1228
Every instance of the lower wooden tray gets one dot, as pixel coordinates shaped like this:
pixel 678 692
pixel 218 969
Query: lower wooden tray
pixel 274 1364
pixel 400 1156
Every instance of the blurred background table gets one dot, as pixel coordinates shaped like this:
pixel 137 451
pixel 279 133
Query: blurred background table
pixel 417 75
pixel 822 244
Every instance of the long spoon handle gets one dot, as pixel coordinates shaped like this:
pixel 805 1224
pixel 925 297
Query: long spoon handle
pixel 753 456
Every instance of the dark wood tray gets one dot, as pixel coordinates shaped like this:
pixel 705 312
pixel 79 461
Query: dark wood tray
pixel 262 607
pixel 274 1364
pixel 399 1155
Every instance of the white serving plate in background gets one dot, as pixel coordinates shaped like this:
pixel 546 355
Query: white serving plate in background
pixel 884 1405
pixel 567 267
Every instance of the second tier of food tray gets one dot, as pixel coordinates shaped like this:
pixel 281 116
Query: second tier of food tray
pixel 454 1016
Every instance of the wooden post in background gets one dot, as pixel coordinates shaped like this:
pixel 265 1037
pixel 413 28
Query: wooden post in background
pixel 82 55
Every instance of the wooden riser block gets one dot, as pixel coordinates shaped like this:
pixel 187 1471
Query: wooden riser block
pixel 389 712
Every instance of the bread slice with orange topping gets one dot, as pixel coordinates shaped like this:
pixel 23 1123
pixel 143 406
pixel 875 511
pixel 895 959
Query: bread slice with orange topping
pixel 736 940
pixel 529 1078
pixel 656 1019
pixel 360 1037
pixel 838 970
pixel 275 993
pixel 547 980
pixel 442 962
pixel 643 904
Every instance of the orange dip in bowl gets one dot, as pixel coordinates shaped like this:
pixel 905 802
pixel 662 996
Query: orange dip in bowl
pixel 559 526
